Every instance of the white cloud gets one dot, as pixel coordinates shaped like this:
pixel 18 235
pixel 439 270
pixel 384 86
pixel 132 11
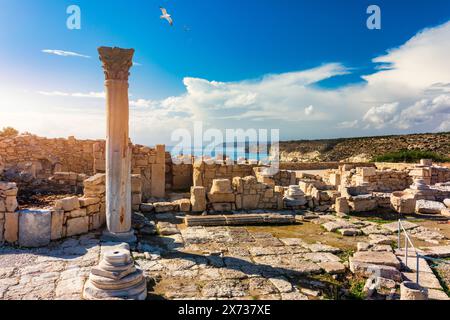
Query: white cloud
pixel 409 92
pixel 63 53
pixel 348 124
pixel 379 116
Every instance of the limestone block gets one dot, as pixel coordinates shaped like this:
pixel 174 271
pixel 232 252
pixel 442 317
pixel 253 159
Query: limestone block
pixel 158 183
pixel 429 207
pixel 68 204
pixel 95 222
pixel 446 202
pixel 93 209
pixel 250 201
pixel 35 228
pixel 97 179
pixel 136 199
pixel 136 183
pixel 221 197
pixel 161 207
pixel 2 206
pixel 410 290
pixel 341 205
pixel 160 154
pixel 198 199
pixel 184 204
pixel 219 207
pixel 57 224
pixel 88 201
pixel 11 203
pixel 76 213
pixel 221 186
pixel 77 226
pixel 11 233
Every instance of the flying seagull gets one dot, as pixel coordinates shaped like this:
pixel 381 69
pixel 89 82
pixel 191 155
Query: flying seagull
pixel 166 16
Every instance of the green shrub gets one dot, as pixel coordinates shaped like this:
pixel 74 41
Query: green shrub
pixel 410 156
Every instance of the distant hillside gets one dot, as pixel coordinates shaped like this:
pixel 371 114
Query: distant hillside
pixel 363 149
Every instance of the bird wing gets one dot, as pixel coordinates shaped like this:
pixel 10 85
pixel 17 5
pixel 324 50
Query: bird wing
pixel 170 20
pixel 163 10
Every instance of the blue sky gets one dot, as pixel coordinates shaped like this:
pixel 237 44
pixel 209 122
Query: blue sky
pixel 220 61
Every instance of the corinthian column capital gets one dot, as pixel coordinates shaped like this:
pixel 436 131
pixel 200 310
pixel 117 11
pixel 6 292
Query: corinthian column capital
pixel 116 62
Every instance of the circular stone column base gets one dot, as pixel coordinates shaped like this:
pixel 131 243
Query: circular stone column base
pixel 128 237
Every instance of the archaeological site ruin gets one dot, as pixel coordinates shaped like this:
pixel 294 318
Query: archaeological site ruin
pixel 109 219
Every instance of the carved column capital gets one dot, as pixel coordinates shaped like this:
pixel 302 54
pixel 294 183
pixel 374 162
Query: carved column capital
pixel 116 62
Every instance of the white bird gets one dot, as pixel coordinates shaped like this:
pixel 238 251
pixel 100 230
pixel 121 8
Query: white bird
pixel 166 16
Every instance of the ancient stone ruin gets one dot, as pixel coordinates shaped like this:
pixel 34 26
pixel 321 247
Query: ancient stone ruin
pixel 81 195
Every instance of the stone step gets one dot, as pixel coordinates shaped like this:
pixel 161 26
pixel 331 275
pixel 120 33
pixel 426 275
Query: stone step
pixel 238 219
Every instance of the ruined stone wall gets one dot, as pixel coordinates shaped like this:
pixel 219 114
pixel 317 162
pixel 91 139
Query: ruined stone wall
pixel 282 178
pixel 39 159
pixel 440 175
pixel 204 174
pixel 150 163
pixel 320 165
pixel 382 180
pixel 42 156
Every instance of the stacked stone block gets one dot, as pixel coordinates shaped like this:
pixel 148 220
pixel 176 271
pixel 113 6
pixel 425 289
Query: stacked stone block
pixel 150 163
pixel 204 174
pixel 9 218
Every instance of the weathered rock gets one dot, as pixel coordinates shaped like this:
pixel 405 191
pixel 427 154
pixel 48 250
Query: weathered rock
pixel 11 233
pixel 429 207
pixel 161 207
pixel 351 232
pixel 341 205
pixel 68 204
pixel 198 199
pixel 412 291
pixel 77 226
pixel 332 267
pixel 167 229
pixel 368 270
pixel 184 204
pixel 447 202
pixel 34 228
pixel 377 258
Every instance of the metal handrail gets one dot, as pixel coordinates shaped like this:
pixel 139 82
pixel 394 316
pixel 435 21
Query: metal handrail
pixel 408 240
pixel 418 255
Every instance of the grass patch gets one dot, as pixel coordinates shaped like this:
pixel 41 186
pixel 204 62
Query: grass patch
pixel 356 290
pixel 410 156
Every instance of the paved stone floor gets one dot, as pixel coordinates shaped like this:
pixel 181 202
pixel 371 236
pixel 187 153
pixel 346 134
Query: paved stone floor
pixel 197 263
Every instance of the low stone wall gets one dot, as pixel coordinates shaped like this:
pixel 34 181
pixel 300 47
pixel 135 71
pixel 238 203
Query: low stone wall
pixel 320 165
pixel 204 174
pixel 45 156
pixel 68 217
pixel 31 161
pixel 382 180
pixel 283 178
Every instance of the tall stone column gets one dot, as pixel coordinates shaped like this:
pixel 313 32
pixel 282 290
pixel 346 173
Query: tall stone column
pixel 116 64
